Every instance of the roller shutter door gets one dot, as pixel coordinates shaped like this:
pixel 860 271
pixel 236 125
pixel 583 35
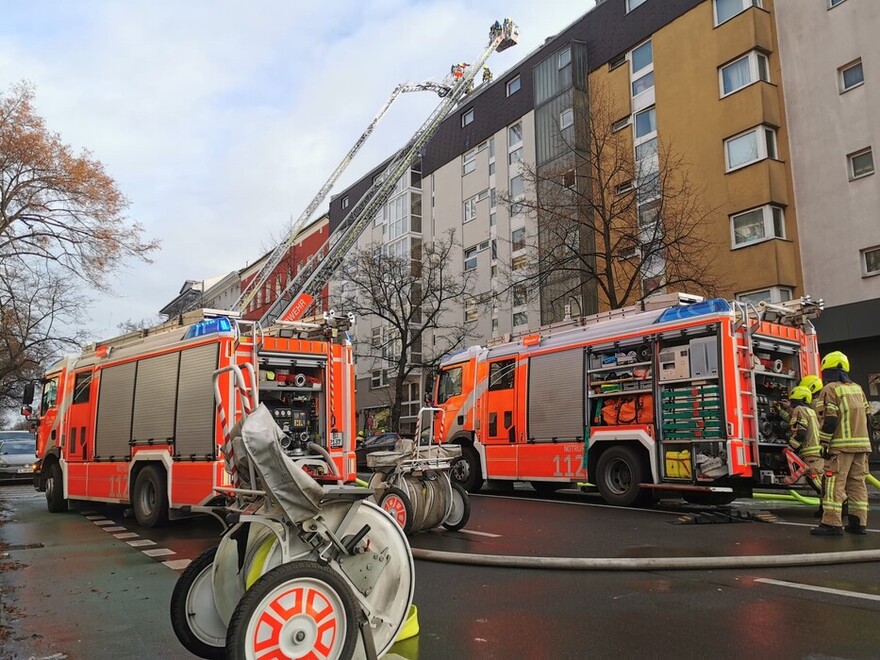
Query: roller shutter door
pixel 113 428
pixel 194 439
pixel 155 396
pixel 556 396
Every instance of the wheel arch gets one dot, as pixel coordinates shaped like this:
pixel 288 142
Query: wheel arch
pixel 143 459
pixel 601 441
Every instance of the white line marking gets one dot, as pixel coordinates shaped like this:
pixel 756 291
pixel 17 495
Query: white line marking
pixel 88 513
pixel 141 542
pixel 177 564
pixel 158 552
pixel 824 590
pixel 103 523
pixel 93 518
pixel 114 529
pixel 127 535
pixel 476 533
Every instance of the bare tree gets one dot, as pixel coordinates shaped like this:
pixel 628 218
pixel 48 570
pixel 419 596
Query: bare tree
pixel 413 298
pixel 36 305
pixel 58 206
pixel 613 223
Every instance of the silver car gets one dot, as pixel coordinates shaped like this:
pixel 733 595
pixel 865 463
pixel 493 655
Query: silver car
pixel 17 455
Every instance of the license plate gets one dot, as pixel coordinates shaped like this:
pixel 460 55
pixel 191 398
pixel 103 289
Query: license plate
pixel 336 440
pixel 24 470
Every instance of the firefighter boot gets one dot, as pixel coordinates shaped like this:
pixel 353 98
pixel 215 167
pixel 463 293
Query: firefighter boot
pixel 854 526
pixel 826 530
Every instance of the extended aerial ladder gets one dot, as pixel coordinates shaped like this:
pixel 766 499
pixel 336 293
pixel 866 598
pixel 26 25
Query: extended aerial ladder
pixel 300 291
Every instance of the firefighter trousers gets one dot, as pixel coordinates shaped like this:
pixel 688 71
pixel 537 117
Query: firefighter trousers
pixel 815 471
pixel 845 480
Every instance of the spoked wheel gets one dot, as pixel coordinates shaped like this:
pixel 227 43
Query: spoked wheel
pixel 194 616
pixel 460 511
pixel 296 610
pixel 397 503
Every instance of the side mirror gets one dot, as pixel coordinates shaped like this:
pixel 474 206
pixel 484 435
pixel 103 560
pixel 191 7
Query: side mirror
pixel 28 395
pixel 26 412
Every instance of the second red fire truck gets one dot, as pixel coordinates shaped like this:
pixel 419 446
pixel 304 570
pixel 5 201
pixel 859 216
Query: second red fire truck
pixel 675 394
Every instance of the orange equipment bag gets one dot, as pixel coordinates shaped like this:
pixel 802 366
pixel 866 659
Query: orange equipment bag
pixel 618 411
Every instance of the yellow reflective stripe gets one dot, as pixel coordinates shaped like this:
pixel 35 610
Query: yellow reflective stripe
pixel 812 451
pixel 858 506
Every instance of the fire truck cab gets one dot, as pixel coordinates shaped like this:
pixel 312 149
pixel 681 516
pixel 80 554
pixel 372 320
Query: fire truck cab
pixel 675 394
pixel 133 420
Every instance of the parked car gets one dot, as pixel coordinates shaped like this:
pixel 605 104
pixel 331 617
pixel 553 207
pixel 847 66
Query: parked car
pixel 379 442
pixel 17 455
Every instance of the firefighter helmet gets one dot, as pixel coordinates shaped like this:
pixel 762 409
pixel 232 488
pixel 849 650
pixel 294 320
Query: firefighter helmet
pixel 811 382
pixel 801 393
pixel 835 360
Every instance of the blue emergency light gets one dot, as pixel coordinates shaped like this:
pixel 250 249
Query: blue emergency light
pixel 209 327
pixel 711 306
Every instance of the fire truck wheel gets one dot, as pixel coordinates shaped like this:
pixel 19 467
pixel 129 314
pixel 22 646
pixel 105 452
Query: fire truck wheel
pixel 461 509
pixel 55 490
pixel 545 488
pixel 296 610
pixel 194 616
pixel 397 503
pixel 150 499
pixel 466 470
pixel 619 473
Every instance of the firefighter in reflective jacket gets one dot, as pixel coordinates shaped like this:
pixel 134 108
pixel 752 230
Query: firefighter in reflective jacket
pixel 844 411
pixel 804 434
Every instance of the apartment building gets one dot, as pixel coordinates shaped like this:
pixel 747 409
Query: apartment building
pixel 831 70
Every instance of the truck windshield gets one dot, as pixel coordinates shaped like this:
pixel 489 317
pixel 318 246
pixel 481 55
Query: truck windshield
pixel 450 384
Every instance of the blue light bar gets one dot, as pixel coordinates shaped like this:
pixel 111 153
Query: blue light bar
pixel 712 306
pixel 209 327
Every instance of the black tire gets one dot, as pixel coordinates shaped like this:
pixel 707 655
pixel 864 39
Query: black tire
pixel 321 583
pixel 150 498
pixel 466 470
pixel 618 475
pixel 201 638
pixel 708 499
pixel 398 505
pixel 55 501
pixel 461 509
pixel 546 488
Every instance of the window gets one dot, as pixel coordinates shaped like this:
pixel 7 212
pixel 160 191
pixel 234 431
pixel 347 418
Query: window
pixel 492 168
pixel 501 374
pixel 742 72
pixel 82 386
pixel 520 295
pixel 871 262
pixel 470 209
pixel 643 84
pixel 632 4
pixel 50 395
pixel 620 60
pixel 470 258
pixel 566 119
pixel 514 135
pixel 377 379
pixel 727 9
pixel 861 164
pixel 518 239
pixel 469 162
pixel 493 197
pixel 345 202
pixel 852 75
pixel 775 294
pixel 563 59
pixel 620 124
pixel 569 179
pixel 646 123
pixel 449 385
pixel 467 117
pixel 624 187
pixel 517 187
pixel 833 3
pixel 471 311
pixel 642 57
pixel 750 147
pixel 513 86
pixel 646 149
pixel 515 156
pixel 518 263
pixel 520 318
pixel 757 225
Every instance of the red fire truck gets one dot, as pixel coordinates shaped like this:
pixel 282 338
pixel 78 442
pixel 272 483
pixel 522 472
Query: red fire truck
pixel 674 394
pixel 133 420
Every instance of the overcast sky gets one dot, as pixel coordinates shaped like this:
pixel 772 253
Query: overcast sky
pixel 220 120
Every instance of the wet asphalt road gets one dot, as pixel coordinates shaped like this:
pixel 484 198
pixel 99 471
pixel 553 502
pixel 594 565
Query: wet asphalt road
pixel 114 602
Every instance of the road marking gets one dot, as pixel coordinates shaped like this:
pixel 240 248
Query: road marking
pixel 158 552
pixel 88 513
pixel 103 523
pixel 824 590
pixel 177 564
pixel 141 542
pixel 93 518
pixel 114 529
pixel 127 535
pixel 476 533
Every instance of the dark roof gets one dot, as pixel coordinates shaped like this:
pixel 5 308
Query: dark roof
pixel 607 30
